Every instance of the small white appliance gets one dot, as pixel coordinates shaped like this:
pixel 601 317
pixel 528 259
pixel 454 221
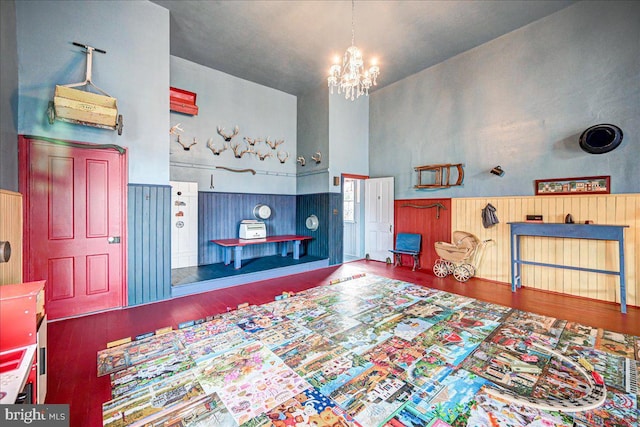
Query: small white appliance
pixel 252 229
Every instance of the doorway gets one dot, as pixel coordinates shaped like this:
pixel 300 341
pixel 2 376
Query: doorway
pixel 353 218
pixel 75 223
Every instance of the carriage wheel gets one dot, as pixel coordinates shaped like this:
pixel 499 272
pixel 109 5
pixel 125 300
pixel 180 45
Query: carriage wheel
pixel 471 268
pixel 461 273
pixel 440 269
pixel 450 266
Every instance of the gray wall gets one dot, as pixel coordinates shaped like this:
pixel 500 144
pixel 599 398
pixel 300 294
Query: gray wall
pixel 226 101
pixel 348 136
pixel 520 101
pixel 8 97
pixel 313 135
pixel 135 70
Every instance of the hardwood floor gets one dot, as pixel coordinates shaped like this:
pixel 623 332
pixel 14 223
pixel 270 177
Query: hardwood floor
pixel 74 343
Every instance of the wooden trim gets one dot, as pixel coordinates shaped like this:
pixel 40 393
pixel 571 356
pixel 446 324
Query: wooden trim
pixel 354 176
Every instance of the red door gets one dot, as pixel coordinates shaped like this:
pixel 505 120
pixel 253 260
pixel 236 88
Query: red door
pixel 74 225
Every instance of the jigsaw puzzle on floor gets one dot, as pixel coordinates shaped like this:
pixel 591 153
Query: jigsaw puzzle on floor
pixel 370 351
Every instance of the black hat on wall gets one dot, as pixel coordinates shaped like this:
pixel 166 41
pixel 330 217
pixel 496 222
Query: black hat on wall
pixel 600 139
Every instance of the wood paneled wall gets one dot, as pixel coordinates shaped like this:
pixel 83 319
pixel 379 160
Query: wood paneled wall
pixel 615 209
pixel 11 231
pixel 220 214
pixel 149 251
pixel 424 221
pixel 327 239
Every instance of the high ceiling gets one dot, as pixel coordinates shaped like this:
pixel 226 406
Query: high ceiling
pixel 289 45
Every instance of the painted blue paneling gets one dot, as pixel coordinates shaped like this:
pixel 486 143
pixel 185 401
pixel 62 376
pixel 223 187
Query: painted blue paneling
pixel 149 269
pixel 336 229
pixel 318 205
pixel 327 242
pixel 219 216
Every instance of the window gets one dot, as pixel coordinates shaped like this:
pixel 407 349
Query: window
pixel 349 200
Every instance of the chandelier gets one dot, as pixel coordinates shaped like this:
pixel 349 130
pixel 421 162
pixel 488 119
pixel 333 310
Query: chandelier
pixel 352 78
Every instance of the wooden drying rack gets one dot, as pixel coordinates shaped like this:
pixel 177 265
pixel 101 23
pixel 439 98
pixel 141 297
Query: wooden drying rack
pixel 442 175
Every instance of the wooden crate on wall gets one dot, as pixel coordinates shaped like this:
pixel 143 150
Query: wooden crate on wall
pixel 11 231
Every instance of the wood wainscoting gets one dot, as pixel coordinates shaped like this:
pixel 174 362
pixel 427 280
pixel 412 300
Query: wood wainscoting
pixel 421 216
pixel 11 231
pixel 616 209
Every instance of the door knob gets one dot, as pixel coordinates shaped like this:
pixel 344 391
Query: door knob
pixel 113 239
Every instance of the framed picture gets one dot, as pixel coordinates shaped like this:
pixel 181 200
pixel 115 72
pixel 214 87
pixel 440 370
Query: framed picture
pixel 582 185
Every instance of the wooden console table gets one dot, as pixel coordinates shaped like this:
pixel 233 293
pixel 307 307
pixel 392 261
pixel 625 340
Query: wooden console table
pixel 571 231
pixel 238 244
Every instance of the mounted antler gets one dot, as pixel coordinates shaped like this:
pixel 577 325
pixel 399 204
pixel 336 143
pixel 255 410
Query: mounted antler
pixel 301 160
pixel 275 143
pixel 238 153
pixel 252 141
pixel 186 147
pixel 317 157
pixel 249 150
pixel 214 150
pixel 175 129
pixel 283 159
pixel 263 156
pixel 226 137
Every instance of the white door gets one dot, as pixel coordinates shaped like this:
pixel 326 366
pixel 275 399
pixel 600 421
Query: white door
pixel 184 224
pixel 378 227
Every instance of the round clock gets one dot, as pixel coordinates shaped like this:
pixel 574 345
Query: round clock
pixel 262 211
pixel 312 223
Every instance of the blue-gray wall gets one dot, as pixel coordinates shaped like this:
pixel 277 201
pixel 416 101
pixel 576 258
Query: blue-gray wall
pixel 8 97
pixel 313 136
pixel 348 136
pixel 520 101
pixel 226 101
pixel 135 71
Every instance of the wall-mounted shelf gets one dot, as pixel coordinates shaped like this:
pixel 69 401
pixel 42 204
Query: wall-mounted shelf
pixel 182 101
pixel 441 175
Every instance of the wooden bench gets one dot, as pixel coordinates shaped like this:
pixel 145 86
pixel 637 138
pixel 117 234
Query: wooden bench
pixel 407 244
pixel 237 244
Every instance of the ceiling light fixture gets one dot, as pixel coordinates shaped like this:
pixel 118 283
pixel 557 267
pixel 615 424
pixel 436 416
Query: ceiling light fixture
pixel 352 78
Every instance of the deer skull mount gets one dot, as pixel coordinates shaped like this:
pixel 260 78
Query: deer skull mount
pixel 228 138
pixel 283 156
pixel 214 150
pixel 252 141
pixel 301 160
pixel 263 156
pixel 317 157
pixel 238 152
pixel 175 130
pixel 274 144
pixel 186 147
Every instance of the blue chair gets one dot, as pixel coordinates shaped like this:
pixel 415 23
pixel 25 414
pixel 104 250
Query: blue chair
pixel 407 244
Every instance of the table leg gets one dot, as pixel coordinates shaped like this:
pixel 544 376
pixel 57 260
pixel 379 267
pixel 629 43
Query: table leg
pixel 227 256
pixel 514 258
pixel 623 288
pixel 283 248
pixel 237 259
pixel 296 249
